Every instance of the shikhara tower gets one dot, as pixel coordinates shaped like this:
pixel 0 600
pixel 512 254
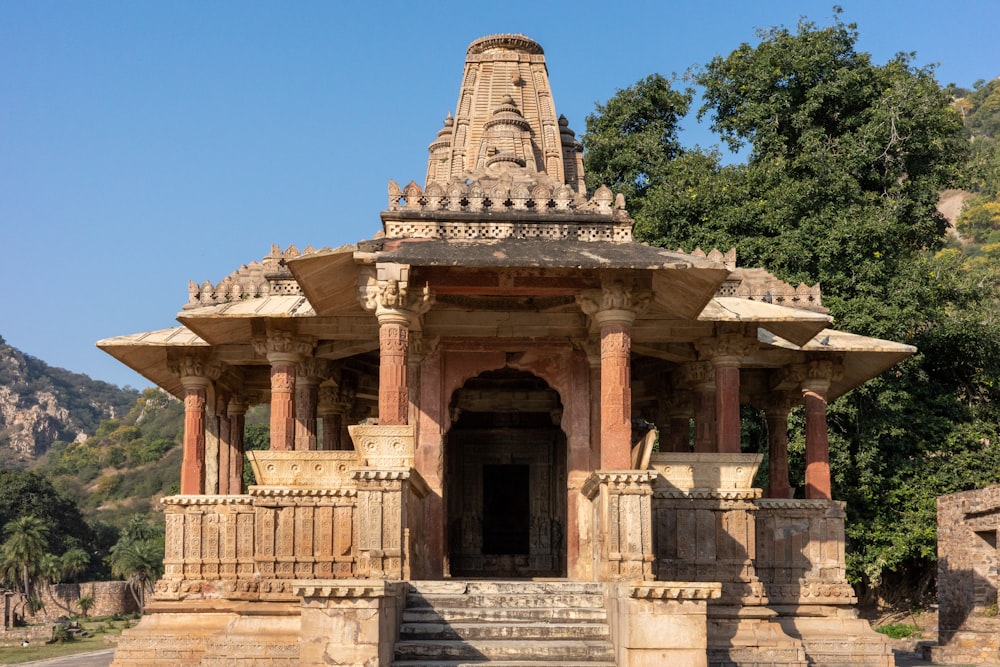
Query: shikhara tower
pixel 465 412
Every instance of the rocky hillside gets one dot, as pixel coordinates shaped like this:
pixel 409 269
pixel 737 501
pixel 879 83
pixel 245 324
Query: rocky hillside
pixel 41 404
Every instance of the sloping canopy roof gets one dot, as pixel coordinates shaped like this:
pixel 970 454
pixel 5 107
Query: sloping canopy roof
pixel 797 325
pixel 146 354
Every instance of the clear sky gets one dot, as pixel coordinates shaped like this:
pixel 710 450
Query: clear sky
pixel 145 144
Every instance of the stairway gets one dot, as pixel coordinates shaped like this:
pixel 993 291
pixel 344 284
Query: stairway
pixel 504 624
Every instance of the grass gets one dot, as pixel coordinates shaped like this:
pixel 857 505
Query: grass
pixel 39 650
pixel 898 630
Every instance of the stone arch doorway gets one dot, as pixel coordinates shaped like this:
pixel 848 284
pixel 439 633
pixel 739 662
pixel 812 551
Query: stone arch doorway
pixel 505 478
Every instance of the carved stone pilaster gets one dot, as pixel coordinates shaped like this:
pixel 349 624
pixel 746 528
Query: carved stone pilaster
pixel 623 518
pixel 388 514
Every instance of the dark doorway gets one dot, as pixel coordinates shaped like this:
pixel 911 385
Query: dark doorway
pixel 506 513
pixel 505 483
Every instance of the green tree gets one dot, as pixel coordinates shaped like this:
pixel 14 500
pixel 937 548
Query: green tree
pixel 73 563
pixel 844 162
pixel 632 139
pixel 139 563
pixel 26 542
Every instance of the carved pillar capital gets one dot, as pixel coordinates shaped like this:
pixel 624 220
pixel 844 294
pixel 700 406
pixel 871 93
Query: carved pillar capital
pixel 393 302
pixel 279 345
pixel 819 373
pixel 195 368
pixel 726 349
pixel 616 302
pixel 698 375
pixel 312 370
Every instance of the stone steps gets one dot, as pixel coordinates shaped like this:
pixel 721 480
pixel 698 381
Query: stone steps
pixel 504 623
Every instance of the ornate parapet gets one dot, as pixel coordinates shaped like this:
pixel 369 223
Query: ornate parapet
pixel 687 471
pixel 304 469
pixel 621 501
pixel 208 547
pixel 800 551
pixel 704 521
pixel 250 281
pixel 383 446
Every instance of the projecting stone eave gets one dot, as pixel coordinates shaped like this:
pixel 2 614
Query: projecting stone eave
pixel 863 357
pixel 147 354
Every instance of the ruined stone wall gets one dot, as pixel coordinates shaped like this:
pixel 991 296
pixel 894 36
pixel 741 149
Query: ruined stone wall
pixel 968 560
pixel 62 600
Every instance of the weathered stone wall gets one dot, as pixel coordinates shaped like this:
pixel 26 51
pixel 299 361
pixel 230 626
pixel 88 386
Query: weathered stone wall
pixel 110 597
pixel 968 577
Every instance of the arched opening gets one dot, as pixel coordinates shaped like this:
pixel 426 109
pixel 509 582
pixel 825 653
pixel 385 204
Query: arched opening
pixel 506 478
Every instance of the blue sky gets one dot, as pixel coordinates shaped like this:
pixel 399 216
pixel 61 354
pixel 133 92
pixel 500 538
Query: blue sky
pixel 145 144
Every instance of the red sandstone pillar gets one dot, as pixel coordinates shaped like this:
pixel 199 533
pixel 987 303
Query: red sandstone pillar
pixel 700 376
pixel 397 311
pixel 817 443
pixel 616 388
pixel 777 451
pixel 237 410
pixel 727 405
pixel 819 375
pixel 193 463
pixel 283 405
pixel 675 432
pixel 307 378
pixel 726 352
pixel 284 351
pixel 393 383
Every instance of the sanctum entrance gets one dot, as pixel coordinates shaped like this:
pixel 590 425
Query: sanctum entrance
pixel 506 478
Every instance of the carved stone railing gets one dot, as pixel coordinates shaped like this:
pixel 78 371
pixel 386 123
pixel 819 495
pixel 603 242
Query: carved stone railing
pixel 317 515
pixel 800 552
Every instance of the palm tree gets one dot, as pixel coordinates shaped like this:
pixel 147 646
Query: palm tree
pixel 26 540
pixel 74 562
pixel 139 563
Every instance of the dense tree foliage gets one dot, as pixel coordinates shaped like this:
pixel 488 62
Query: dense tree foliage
pixel 844 163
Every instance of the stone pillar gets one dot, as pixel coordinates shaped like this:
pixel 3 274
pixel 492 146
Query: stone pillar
pixel 701 377
pixel 726 353
pixel 330 415
pixel 308 374
pixel 225 441
pixel 613 311
pixel 776 414
pixel 814 390
pixel 237 410
pixel 196 372
pixel 397 311
pixel 193 463
pixel 675 432
pixel 284 351
pixel 393 377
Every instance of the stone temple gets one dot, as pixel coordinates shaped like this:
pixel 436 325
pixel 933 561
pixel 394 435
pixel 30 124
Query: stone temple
pixel 502 432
